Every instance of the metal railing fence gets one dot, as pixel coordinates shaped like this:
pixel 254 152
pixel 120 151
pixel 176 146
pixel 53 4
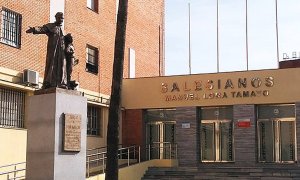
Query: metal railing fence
pixel 13 171
pixel 97 159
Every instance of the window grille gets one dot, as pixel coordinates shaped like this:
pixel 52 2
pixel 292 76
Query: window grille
pixel 12 108
pixel 94 121
pixel 10 28
pixel 91 59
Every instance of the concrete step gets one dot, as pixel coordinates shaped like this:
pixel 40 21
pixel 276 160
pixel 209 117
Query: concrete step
pixel 240 173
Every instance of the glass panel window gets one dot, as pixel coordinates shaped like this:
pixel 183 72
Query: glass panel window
pixel 10 28
pixel 12 108
pixel 287 143
pixel 208 142
pixel 91 59
pixel 276 134
pixel 226 144
pixel 94 121
pixel 216 134
pixel 266 138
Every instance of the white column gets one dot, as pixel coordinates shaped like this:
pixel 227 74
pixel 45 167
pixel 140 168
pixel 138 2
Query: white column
pixel 131 63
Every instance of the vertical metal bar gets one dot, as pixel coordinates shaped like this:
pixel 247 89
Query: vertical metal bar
pixel 149 153
pixel 6 25
pixel 176 152
pixel 22 109
pixel 170 149
pixel 18 109
pixel 218 68
pixel 88 167
pixel 5 110
pixel 139 154
pixel 15 171
pixel 190 61
pixel 277 38
pixel 134 152
pixel 159 51
pixel 10 99
pixel 247 35
pixel 1 107
pixel 128 156
pixel 98 157
pixel 13 102
pixel 10 27
pixel 103 162
pixel 4 107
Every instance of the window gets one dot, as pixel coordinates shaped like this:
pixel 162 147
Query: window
pixel 216 134
pixel 94 121
pixel 12 105
pixel 93 5
pixel 276 133
pixel 91 59
pixel 10 28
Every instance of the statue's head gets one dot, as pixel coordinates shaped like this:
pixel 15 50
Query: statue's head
pixel 68 38
pixel 59 17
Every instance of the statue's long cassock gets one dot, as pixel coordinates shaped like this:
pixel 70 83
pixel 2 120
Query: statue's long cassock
pixel 55 69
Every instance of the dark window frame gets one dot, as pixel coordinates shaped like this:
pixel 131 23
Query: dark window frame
pixel 11 28
pixel 94 121
pixel 92 60
pixel 12 108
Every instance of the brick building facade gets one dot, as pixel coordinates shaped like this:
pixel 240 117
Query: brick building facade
pixel 92 24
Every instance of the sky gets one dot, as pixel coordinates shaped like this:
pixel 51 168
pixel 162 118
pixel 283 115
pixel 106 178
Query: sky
pixel 262 49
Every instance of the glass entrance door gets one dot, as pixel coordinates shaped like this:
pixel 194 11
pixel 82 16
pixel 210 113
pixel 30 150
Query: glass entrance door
pixel 216 141
pixel 276 140
pixel 160 138
pixel 276 133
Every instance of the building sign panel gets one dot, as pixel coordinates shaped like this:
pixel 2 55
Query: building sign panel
pixel 229 88
pixel 72 132
pixel 185 125
pixel 217 89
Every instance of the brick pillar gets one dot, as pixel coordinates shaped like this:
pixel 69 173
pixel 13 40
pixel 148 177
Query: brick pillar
pixel 132 127
pixel 245 137
pixel 187 137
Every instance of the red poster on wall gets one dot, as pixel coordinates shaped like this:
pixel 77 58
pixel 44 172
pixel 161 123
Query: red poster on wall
pixel 244 123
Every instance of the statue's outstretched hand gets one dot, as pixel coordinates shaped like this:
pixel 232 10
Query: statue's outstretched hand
pixel 30 30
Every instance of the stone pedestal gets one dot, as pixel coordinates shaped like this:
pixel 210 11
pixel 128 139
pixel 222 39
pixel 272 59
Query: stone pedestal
pixel 47 157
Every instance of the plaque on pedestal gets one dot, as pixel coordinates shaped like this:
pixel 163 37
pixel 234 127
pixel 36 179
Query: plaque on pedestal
pixel 72 131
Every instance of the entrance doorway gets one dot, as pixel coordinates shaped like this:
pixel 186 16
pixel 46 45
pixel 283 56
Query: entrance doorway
pixel 160 137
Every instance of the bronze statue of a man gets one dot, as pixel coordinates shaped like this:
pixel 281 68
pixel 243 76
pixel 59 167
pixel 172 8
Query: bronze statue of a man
pixel 55 69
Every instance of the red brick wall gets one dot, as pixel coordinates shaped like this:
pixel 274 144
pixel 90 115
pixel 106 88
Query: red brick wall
pixel 132 127
pixel 98 30
pixel 32 53
pixel 89 27
pixel 144 35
